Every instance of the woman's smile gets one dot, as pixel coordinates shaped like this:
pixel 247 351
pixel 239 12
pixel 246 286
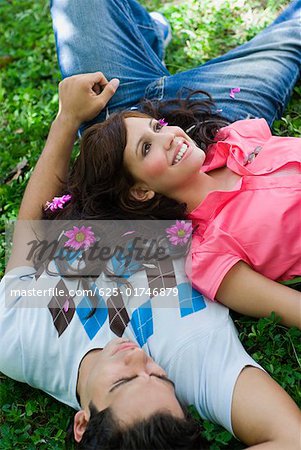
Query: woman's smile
pixel 181 152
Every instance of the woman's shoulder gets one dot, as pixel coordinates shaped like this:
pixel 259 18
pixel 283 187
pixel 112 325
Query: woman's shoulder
pixel 248 128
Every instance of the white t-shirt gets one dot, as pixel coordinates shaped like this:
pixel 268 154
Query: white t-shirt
pixel 44 335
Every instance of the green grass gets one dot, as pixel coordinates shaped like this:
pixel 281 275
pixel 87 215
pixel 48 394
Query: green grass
pixel 28 95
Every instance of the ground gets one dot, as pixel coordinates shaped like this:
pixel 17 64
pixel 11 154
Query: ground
pixel 28 95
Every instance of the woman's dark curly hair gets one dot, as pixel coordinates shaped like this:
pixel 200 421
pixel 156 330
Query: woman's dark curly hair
pixel 99 181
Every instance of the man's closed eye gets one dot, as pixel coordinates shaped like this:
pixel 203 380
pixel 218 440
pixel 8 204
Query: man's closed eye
pixel 125 380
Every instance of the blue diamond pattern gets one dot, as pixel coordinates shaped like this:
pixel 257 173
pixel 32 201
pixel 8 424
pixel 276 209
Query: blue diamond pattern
pixel 190 300
pixel 92 324
pixel 142 322
pixel 124 265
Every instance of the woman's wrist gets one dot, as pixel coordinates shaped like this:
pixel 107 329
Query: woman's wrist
pixel 67 123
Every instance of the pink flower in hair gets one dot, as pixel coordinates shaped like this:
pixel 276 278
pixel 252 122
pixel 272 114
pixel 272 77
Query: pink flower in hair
pixel 162 122
pixel 82 237
pixel 57 202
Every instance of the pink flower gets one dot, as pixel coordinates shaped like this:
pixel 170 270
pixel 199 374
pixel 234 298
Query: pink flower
pixel 57 202
pixel 82 237
pixel 179 233
pixel 162 122
pixel 234 91
pixel 66 306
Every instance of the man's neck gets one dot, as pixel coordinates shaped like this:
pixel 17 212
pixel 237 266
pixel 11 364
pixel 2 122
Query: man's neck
pixel 83 371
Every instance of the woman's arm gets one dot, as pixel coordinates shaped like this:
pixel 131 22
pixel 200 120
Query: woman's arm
pixel 250 293
pixel 80 100
pixel 263 414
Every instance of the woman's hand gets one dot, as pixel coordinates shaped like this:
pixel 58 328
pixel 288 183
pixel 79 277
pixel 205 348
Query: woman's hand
pixel 82 97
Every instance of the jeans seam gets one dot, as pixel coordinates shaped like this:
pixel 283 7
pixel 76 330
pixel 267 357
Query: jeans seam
pixel 147 27
pixel 282 104
pixel 162 80
pixel 156 86
pixel 153 28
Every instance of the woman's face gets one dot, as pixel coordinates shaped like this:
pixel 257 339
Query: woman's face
pixel 162 159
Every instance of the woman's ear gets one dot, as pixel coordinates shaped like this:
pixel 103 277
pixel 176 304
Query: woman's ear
pixel 80 424
pixel 141 193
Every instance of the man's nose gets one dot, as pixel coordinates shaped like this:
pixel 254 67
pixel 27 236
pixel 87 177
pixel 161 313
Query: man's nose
pixel 136 357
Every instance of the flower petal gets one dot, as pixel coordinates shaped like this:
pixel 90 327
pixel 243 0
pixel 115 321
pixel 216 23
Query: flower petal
pixel 66 305
pixel 234 91
pixel 162 122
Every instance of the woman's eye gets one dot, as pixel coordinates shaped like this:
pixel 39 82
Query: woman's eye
pixel 146 149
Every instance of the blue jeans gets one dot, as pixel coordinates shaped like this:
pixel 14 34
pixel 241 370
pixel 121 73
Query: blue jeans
pixel 119 38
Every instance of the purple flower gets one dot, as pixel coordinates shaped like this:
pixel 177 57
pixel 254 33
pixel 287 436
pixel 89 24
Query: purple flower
pixel 82 237
pixel 179 233
pixel 162 122
pixel 57 202
pixel 234 91
pixel 66 306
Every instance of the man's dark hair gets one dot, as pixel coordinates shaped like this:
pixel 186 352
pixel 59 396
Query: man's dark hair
pixel 161 431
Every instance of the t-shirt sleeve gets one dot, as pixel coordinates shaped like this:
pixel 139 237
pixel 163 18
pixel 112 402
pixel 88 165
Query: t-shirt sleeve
pixel 11 287
pixel 206 370
pixel 211 259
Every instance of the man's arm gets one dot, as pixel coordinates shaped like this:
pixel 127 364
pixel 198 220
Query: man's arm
pixel 80 101
pixel 263 414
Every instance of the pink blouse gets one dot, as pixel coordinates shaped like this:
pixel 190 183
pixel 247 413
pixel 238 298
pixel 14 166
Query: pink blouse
pixel 259 220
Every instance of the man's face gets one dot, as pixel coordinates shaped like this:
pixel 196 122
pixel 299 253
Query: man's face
pixel 124 378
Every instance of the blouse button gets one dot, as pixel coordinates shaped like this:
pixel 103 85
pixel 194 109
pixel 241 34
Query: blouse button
pixel 251 156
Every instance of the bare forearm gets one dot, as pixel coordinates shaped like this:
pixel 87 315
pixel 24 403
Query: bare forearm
pixel 250 293
pixel 79 101
pixel 51 168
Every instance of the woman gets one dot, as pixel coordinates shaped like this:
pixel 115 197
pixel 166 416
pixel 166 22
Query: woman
pixel 265 69
pixel 95 185
pixel 136 165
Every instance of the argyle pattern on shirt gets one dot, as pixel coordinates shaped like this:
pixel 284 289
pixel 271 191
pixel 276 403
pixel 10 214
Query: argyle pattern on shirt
pixel 160 276
pixel 118 315
pixel 57 306
pixel 92 312
pixel 95 310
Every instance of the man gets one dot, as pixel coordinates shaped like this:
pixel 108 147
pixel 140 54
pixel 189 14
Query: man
pixel 61 351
